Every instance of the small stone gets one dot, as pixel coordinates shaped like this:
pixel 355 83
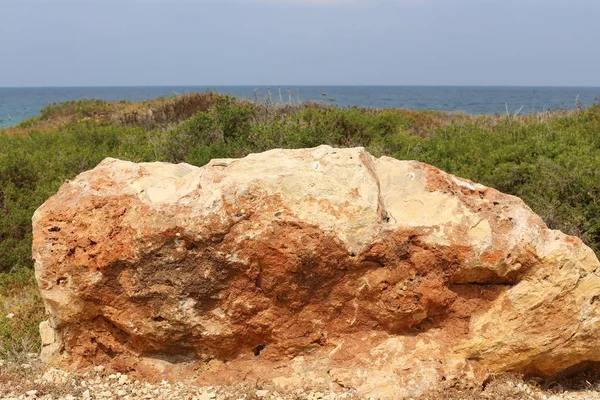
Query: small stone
pixel 123 379
pixel 121 393
pixel 47 333
pixel 86 394
pixel 31 393
pixel 10 315
pixel 207 396
pixel 55 376
pixel 99 368
pixel 262 393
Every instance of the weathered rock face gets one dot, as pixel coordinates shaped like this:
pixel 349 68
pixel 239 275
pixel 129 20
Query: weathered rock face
pixel 320 267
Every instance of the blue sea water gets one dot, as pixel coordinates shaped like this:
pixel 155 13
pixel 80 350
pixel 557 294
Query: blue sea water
pixel 17 104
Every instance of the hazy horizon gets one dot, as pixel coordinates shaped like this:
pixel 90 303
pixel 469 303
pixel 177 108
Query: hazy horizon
pixel 133 43
pixel 299 86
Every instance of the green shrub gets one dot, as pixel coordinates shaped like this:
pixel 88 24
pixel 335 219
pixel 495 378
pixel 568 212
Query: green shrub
pixel 550 160
pixel 34 165
pixel 234 118
pixel 199 131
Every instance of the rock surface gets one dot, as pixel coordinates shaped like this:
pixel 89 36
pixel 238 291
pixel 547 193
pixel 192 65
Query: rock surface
pixel 320 267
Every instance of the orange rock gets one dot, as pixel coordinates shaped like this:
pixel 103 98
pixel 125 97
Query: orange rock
pixel 321 267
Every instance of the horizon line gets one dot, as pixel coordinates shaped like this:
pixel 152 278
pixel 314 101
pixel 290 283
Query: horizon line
pixel 292 85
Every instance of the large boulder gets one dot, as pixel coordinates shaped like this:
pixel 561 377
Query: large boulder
pixel 316 267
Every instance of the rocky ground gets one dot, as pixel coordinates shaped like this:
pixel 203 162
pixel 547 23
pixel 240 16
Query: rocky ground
pixel 28 380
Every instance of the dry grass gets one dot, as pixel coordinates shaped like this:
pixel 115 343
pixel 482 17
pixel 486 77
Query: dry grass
pixel 21 311
pixel 164 111
pixel 25 377
pixel 149 114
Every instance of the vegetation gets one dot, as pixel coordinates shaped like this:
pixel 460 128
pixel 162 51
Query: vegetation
pixel 21 311
pixel 550 160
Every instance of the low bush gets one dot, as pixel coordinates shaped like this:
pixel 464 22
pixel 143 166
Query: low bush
pixel 550 160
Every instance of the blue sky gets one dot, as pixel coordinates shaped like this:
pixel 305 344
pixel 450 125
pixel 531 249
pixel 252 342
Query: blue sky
pixel 299 42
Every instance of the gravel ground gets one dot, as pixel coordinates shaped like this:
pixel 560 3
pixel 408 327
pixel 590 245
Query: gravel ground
pixel 27 381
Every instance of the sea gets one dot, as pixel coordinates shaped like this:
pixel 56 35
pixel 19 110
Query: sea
pixel 17 104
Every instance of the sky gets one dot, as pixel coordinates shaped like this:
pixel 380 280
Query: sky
pixel 299 42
